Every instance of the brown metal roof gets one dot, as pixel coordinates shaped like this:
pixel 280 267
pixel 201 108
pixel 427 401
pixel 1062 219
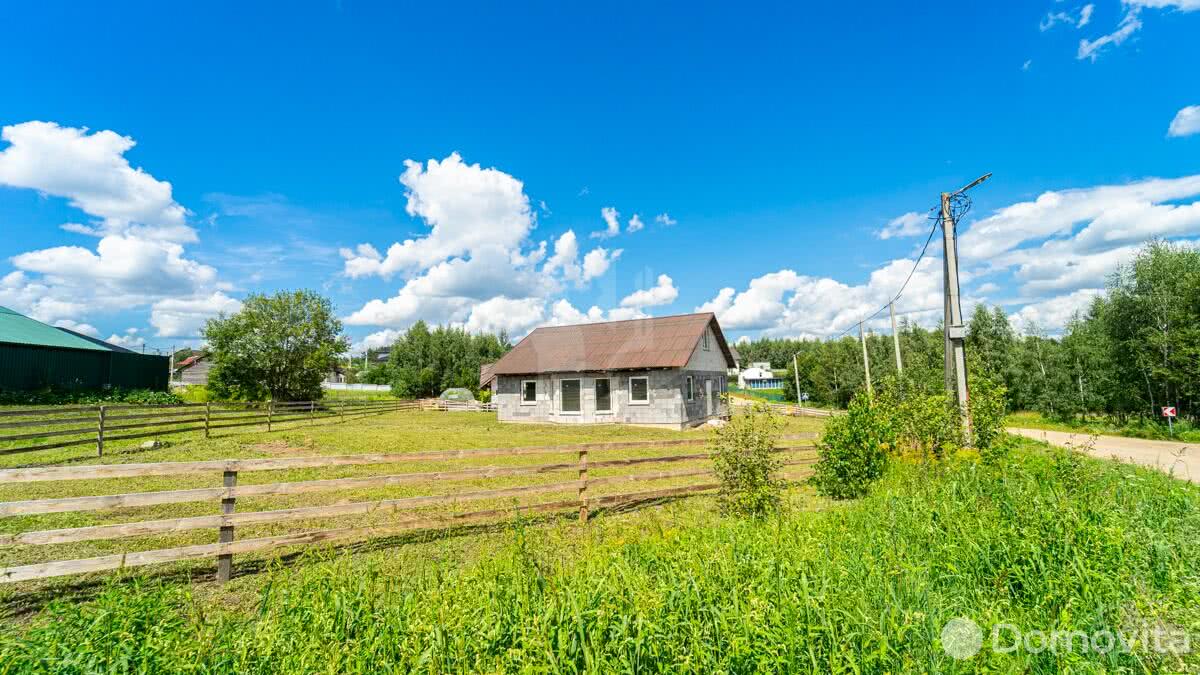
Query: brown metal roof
pixel 663 342
pixel 485 375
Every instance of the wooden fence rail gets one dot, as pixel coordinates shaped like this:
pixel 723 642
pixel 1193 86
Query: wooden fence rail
pixel 789 409
pixel 97 424
pixel 798 452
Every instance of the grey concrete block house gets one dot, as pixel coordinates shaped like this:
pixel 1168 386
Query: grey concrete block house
pixel 664 372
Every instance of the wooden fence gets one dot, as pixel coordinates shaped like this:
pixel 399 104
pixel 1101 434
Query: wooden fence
pixel 789 409
pixel 95 425
pixel 798 450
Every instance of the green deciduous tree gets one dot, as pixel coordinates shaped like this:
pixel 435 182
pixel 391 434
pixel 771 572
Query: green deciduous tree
pixel 279 346
pixel 426 362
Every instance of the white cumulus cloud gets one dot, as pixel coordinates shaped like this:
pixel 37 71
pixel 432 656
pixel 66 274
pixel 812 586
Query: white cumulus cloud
pixel 139 259
pixel 184 317
pixel 612 221
pixel 467 208
pixel 91 171
pixel 910 224
pixel 597 261
pixel 85 328
pixel 1186 122
pixel 662 293
pixel 477 268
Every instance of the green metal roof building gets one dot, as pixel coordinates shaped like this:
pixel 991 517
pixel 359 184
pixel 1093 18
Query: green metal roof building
pixel 36 356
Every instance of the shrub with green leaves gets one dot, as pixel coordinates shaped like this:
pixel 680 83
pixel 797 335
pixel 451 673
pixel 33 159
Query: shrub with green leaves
pixel 988 407
pixel 746 463
pixel 89 397
pixel 854 450
pixel 926 424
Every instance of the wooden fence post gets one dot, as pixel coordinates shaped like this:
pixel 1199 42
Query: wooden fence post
pixel 583 476
pixel 312 406
pixel 100 433
pixel 342 410
pixel 207 415
pixel 270 405
pixel 225 536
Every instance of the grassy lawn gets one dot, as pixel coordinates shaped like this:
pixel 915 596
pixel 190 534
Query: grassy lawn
pixel 1043 541
pixel 391 433
pixel 1104 427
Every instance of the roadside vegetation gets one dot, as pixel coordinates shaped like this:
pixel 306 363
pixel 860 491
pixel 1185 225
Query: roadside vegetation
pixel 1103 426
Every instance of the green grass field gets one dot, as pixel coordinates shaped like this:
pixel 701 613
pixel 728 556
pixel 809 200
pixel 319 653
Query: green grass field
pixel 1043 541
pixel 392 433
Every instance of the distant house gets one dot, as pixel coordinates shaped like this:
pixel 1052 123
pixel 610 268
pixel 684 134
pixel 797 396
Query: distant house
pixel 664 372
pixel 336 375
pixel 759 376
pixel 34 355
pixel 192 371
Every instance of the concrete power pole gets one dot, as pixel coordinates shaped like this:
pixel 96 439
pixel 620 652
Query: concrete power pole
pixel 796 372
pixel 896 338
pixel 866 362
pixel 955 331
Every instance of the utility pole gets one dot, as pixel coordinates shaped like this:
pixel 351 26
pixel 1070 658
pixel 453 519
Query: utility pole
pixel 896 338
pixel 796 372
pixel 866 362
pixel 955 331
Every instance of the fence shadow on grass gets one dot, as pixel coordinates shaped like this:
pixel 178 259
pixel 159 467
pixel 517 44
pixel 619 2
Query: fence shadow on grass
pixel 26 603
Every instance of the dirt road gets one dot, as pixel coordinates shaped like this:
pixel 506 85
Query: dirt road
pixel 1183 458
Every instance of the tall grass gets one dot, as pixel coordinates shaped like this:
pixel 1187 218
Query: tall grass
pixel 1046 541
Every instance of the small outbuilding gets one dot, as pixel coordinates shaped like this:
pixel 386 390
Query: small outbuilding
pixel 665 372
pixel 192 371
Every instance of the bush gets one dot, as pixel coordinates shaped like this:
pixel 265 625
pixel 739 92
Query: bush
pixel 924 424
pixel 987 404
pixel 89 397
pixel 854 450
pixel 747 465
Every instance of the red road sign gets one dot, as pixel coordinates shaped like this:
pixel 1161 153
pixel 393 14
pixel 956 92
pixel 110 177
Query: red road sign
pixel 1168 411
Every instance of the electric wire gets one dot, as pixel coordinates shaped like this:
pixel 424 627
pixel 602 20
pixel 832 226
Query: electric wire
pixel 960 204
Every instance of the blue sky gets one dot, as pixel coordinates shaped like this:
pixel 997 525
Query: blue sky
pixel 197 154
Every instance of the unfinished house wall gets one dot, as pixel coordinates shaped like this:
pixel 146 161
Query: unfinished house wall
pixel 707 365
pixel 665 407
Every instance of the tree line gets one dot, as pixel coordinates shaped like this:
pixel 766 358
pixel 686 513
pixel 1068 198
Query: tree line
pixel 425 362
pixel 1135 349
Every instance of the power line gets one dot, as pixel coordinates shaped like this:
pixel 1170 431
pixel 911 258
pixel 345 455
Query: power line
pixel 936 220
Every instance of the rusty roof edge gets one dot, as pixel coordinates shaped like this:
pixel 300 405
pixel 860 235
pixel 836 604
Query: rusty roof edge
pixel 513 363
